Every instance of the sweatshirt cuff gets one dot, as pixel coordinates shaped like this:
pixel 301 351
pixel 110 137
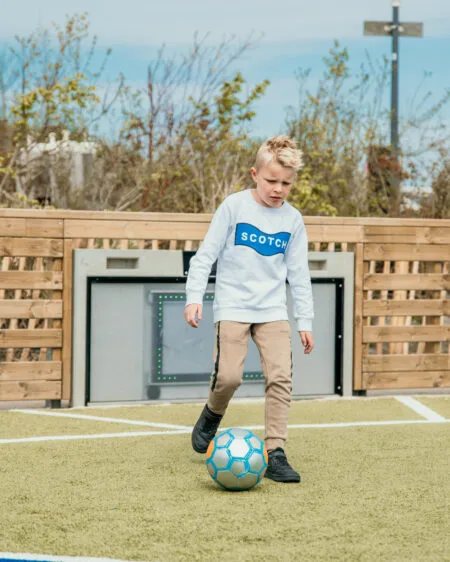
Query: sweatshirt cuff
pixel 304 325
pixel 194 298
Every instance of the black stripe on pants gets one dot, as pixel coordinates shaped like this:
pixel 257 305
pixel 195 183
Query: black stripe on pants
pixel 216 365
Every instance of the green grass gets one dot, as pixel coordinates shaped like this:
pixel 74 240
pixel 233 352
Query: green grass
pixel 368 493
pixel 17 425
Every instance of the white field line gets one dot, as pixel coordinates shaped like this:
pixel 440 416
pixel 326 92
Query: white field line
pixel 421 409
pixel 93 436
pixel 49 558
pixel 100 418
pixel 188 430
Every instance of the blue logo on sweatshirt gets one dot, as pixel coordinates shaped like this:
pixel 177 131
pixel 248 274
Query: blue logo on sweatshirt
pixel 263 243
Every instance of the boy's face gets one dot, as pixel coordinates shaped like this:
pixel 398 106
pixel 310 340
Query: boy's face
pixel 273 183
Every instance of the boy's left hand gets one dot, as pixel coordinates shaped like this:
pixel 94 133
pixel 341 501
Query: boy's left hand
pixel 307 341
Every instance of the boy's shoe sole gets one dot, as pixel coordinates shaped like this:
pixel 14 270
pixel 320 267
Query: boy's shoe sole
pixel 277 478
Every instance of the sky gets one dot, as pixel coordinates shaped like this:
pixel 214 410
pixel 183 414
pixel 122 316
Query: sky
pixel 293 34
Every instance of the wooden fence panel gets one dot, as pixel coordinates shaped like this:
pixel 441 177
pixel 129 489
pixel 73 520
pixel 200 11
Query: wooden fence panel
pixel 402 291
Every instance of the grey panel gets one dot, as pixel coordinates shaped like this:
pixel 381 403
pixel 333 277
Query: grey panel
pixel 116 342
pixel 122 354
pixel 190 350
pixel 314 373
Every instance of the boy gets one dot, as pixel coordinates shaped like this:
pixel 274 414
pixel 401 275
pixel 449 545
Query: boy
pixel 259 241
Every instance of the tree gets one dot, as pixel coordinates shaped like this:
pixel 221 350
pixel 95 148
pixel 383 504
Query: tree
pixel 51 89
pixel 190 105
pixel 339 127
pixel 218 150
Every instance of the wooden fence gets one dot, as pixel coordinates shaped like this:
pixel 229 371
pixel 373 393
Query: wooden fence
pixel 402 289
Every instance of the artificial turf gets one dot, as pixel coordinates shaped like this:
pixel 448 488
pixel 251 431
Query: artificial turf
pixel 440 404
pixel 252 411
pixel 368 494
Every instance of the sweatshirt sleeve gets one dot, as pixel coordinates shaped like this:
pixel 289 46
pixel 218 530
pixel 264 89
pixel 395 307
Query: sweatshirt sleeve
pixel 201 263
pixel 299 279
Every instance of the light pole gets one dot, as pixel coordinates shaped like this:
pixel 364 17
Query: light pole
pixel 396 30
pixel 395 62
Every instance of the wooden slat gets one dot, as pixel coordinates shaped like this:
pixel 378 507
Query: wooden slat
pixel 38 265
pixel 29 308
pixel 30 370
pixel 406 333
pixel 397 282
pixel 358 319
pixel 406 380
pixel 31 247
pixel 67 320
pixel 443 295
pixel 411 234
pixel 66 214
pixel 185 231
pixel 401 268
pixel 184 217
pixel 31 227
pixel 56 323
pixel 135 230
pixel 30 390
pixel 30 338
pixel 406 252
pixel 31 280
pixel 435 347
pixel 334 233
pixel 423 362
pixel 13 324
pixel 418 307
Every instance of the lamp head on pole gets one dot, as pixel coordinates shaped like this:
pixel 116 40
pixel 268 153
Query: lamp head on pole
pixel 396 3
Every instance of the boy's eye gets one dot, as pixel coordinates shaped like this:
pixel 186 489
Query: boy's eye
pixel 271 181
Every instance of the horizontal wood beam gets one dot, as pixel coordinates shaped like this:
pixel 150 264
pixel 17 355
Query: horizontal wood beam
pixel 419 307
pixel 30 338
pixel 406 282
pixel 31 226
pixel 27 308
pixel 24 247
pixel 406 333
pixel 334 233
pixel 135 230
pixel 30 370
pixel 31 280
pixel 30 390
pixel 412 362
pixel 406 252
pixel 367 222
pixel 406 380
pixel 404 233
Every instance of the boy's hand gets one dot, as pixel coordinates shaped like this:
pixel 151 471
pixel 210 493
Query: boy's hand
pixel 307 341
pixel 192 314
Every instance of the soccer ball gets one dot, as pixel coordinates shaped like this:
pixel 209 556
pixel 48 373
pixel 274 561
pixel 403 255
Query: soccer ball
pixel 236 459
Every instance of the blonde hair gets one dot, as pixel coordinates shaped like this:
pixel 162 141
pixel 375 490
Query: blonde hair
pixel 281 149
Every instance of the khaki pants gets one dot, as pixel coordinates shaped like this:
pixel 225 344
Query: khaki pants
pixel 273 340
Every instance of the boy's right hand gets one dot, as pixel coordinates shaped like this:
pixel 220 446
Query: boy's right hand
pixel 192 314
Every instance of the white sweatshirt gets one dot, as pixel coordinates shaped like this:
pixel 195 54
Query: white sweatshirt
pixel 257 249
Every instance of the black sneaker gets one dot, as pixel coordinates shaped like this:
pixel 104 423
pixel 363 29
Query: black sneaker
pixel 279 469
pixel 205 430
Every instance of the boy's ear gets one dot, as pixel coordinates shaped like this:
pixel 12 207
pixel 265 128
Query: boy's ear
pixel 253 173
